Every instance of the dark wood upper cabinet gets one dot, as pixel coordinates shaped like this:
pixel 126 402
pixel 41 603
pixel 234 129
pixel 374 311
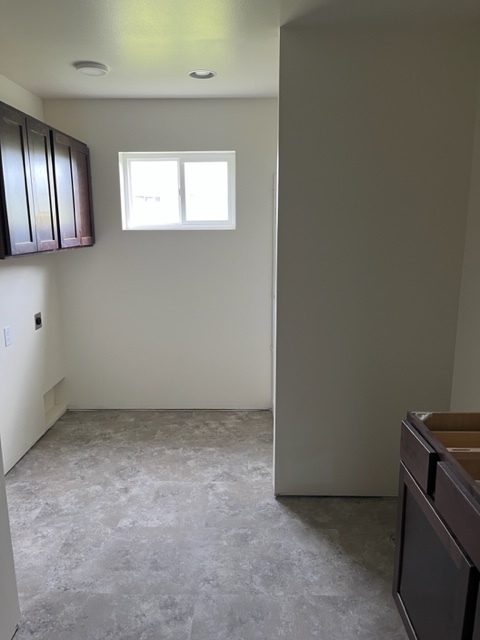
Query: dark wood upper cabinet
pixel 73 193
pixel 45 192
pixel 16 192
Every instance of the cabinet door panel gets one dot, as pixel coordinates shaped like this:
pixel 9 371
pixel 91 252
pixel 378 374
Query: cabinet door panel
pixel 65 200
pixel 458 510
pixel 434 579
pixel 42 185
pixel 16 175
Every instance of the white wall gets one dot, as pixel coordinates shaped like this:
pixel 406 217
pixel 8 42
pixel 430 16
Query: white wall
pixel 375 138
pixel 171 319
pixel 20 98
pixel 466 378
pixel 33 364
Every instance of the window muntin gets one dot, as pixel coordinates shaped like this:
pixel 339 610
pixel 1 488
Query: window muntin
pixel 178 190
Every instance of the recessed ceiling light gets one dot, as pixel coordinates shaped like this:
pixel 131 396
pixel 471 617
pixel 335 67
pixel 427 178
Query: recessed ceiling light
pixel 202 74
pixel 91 68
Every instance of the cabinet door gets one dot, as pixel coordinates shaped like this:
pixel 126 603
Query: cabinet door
pixel 41 171
pixel 435 584
pixel 83 193
pixel 72 180
pixel 476 631
pixel 20 232
pixel 459 510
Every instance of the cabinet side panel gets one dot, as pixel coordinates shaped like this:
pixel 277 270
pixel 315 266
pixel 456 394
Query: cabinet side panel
pixel 476 630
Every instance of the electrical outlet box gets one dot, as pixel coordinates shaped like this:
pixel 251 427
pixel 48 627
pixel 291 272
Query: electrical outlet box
pixel 7 336
pixel 38 320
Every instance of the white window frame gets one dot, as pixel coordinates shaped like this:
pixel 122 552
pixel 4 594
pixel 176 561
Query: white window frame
pixel 126 157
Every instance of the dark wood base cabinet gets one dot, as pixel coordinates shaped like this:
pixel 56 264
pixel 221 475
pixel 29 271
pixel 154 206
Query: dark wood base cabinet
pixel 437 557
pixel 45 187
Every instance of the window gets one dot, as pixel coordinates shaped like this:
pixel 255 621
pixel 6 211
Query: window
pixel 183 190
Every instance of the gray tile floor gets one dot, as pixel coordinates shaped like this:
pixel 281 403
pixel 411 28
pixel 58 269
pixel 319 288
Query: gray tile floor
pixel 152 525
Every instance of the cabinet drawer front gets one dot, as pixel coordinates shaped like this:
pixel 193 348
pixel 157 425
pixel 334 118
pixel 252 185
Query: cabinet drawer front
pixel 459 511
pixel 419 458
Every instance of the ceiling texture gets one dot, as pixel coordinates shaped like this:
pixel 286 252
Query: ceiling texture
pixel 151 45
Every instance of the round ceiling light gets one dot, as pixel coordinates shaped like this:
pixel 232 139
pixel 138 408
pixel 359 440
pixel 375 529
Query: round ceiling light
pixel 202 74
pixel 91 68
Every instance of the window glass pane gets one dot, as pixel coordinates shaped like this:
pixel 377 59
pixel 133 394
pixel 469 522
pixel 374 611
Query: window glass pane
pixel 206 191
pixel 154 192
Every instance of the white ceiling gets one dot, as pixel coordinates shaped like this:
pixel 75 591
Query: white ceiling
pixel 151 45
